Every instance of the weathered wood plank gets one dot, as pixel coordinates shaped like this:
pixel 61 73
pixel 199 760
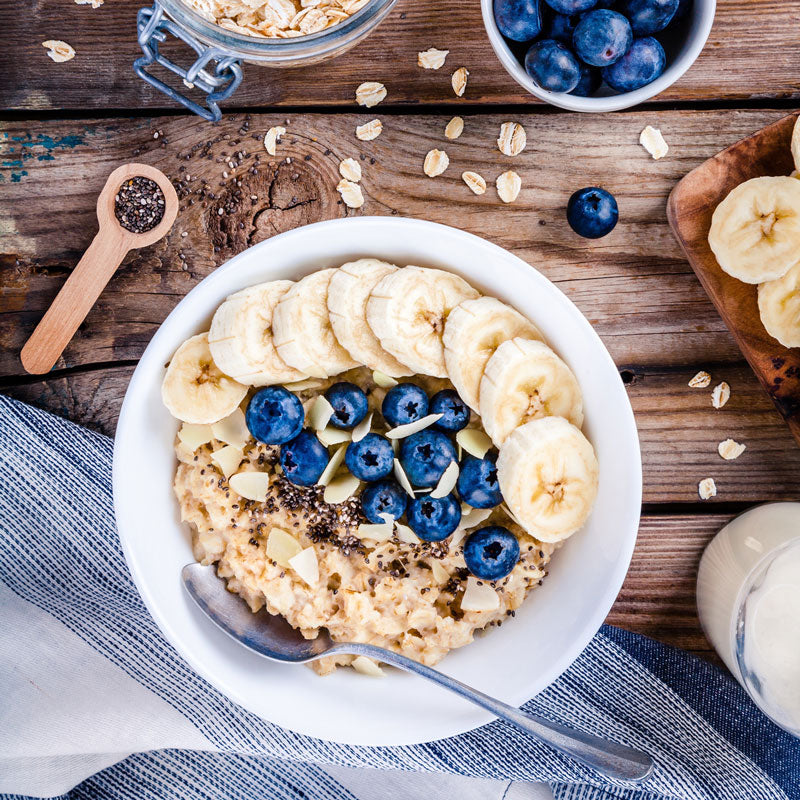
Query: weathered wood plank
pixel 633 285
pixel 751 54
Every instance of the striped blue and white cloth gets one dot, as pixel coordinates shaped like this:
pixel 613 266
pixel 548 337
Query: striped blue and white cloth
pixel 94 703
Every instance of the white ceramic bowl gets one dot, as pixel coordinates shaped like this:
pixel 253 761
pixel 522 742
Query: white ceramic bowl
pixel 513 662
pixel 699 22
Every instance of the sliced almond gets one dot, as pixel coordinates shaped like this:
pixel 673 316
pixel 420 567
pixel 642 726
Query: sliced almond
pixel 510 514
pixel 720 394
pixel 341 489
pixel 432 58
pixel 402 478
pixel 440 574
pixel 707 488
pixel 362 429
pixel 508 186
pixel 475 182
pixel 59 51
pixel 366 666
pixel 370 93
pixel 454 128
pixel 272 137
pixel 405 534
pixel 194 436
pixel 320 413
pixel 281 546
pixel 350 170
pixel 351 193
pixel 730 449
pixel 250 485
pixel 447 482
pixel 474 441
pixel 479 596
pixel 232 430
pixel 307 383
pixel 330 469
pixel 701 380
pixel 401 431
pixel 383 380
pixel 457 538
pixel 459 81
pixel 369 130
pixel 332 436
pixel 653 141
pixel 306 565
pixel 436 162
pixel 474 517
pixel 377 532
pixel 228 459
pixel 512 139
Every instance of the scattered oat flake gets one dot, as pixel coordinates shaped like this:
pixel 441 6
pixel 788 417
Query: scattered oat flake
pixel 652 141
pixel 474 181
pixel 272 137
pixel 371 93
pixel 92 3
pixel 351 193
pixel 720 394
pixel 59 51
pixel 431 58
pixel 729 449
pixel 707 488
pixel 508 185
pixel 369 130
pixel 512 139
pixel 436 162
pixel 701 380
pixel 454 128
pixel 459 81
pixel 350 170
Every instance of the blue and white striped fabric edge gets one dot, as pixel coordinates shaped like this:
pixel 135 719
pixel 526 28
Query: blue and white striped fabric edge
pixel 59 551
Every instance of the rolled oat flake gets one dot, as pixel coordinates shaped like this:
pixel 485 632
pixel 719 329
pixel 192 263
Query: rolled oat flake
pixel 139 204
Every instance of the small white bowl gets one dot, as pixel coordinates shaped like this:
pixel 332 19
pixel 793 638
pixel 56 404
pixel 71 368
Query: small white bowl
pixel 699 23
pixel 514 662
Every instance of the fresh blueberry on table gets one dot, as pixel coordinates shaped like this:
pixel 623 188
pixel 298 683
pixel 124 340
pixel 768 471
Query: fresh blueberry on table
pixel 649 16
pixel 592 212
pixel 349 404
pixel 433 519
pixel 552 66
pixel 518 20
pixel 371 458
pixel 571 6
pixel 454 411
pixel 274 415
pixel 404 403
pixel 642 64
pixel 560 27
pixel 304 459
pixel 491 552
pixel 477 483
pixel 602 37
pixel 425 456
pixel 589 82
pixel 383 497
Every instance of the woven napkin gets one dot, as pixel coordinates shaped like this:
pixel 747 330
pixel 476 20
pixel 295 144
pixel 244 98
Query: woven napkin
pixel 92 694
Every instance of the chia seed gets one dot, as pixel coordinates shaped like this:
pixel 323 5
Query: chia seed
pixel 139 204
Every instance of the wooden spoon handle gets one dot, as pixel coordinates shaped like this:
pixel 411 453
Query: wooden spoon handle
pixel 74 301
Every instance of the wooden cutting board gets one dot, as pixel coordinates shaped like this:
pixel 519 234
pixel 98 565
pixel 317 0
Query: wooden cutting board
pixel 689 210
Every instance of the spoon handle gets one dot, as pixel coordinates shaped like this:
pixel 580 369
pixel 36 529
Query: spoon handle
pixel 609 758
pixel 73 302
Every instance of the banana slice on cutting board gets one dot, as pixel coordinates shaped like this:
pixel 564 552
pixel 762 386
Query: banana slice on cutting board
pixel 755 230
pixel 779 306
pixel 195 390
pixel 473 331
pixel 348 293
pixel 548 474
pixel 796 144
pixel 302 332
pixel 241 336
pixel 407 311
pixel 526 380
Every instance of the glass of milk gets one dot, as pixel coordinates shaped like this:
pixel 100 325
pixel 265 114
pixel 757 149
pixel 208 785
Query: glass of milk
pixel 748 600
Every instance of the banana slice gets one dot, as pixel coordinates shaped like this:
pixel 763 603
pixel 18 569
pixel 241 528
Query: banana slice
pixel 407 312
pixel 241 336
pixel 779 306
pixel 548 474
pixel 473 331
pixel 526 380
pixel 755 230
pixel 195 390
pixel 302 332
pixel 796 144
pixel 348 293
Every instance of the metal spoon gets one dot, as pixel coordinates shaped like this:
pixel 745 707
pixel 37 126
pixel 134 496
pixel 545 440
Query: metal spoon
pixel 273 637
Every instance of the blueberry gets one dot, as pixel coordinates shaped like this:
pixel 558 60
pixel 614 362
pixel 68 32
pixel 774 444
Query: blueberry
pixel 371 458
pixel 404 403
pixel 434 519
pixel 592 212
pixel 641 65
pixel 491 552
pixel 454 411
pixel 477 483
pixel 304 459
pixel 349 404
pixel 552 66
pixel 425 456
pixel 383 497
pixel 519 20
pixel 589 82
pixel 274 415
pixel 649 16
pixel 560 27
pixel 602 37
pixel 571 6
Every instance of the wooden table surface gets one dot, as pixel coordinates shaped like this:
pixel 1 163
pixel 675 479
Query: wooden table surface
pixel 66 126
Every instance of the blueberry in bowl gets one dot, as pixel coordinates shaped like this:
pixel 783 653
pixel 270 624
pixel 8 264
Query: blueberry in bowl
pixel 370 458
pixel 642 64
pixel 518 20
pixel 433 519
pixel 274 415
pixel 383 497
pixel 477 482
pixel 404 403
pixel 491 552
pixel 649 16
pixel 553 66
pixel 425 456
pixel 602 37
pixel 303 459
pixel 349 404
pixel 454 411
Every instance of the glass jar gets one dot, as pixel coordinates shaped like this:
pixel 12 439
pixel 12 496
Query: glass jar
pixel 217 69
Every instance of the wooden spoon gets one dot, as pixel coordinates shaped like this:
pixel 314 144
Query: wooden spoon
pixel 94 270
